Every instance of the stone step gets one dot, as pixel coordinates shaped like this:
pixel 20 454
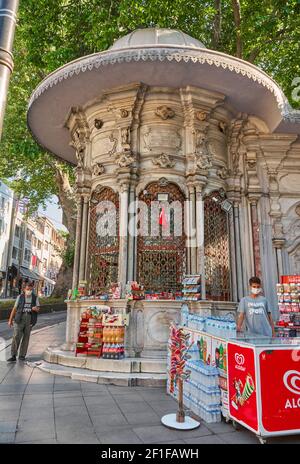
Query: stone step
pixel 105 378
pixel 54 355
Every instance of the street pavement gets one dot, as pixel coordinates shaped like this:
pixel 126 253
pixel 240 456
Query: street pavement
pixel 36 407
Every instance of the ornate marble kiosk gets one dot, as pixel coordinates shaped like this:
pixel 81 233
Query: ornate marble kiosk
pixel 160 114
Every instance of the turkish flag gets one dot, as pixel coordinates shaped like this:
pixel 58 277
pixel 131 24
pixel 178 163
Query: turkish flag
pixel 34 260
pixel 162 218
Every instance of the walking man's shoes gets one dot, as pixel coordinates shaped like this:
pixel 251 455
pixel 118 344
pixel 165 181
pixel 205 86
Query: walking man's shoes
pixel 22 358
pixel 12 359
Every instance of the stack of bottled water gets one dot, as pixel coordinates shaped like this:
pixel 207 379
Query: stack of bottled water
pixel 201 391
pixel 222 327
pixel 196 322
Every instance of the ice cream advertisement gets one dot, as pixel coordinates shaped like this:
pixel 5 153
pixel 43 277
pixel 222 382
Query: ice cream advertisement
pixel 242 385
pixel 280 390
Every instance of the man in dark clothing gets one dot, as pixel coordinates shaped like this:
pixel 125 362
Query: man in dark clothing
pixel 23 317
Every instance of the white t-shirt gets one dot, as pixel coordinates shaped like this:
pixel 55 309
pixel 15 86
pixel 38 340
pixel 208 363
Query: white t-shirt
pixel 27 306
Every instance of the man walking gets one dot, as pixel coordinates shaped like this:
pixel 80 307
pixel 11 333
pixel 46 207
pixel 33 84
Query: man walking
pixel 23 317
pixel 255 310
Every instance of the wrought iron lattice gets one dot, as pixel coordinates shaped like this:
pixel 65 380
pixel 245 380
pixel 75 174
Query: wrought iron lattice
pixel 216 243
pixel 161 258
pixel 103 246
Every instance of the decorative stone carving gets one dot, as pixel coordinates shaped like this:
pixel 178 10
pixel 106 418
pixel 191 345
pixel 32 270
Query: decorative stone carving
pixel 123 113
pixel 164 161
pixel 163 182
pixel 222 127
pixel 201 115
pixel 106 144
pixel 203 162
pixel 98 123
pixel 125 159
pixel 297 210
pixel 98 169
pixel 125 137
pixel 164 112
pixel 163 138
pixel 224 173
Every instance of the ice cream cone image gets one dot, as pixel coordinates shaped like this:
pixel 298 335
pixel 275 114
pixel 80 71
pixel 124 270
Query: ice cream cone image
pixel 249 388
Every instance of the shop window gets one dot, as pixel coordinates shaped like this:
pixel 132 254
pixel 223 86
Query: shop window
pixel 103 248
pixel 161 255
pixel 216 243
pixel 14 252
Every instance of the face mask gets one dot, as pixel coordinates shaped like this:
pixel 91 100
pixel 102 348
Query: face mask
pixel 28 292
pixel 255 291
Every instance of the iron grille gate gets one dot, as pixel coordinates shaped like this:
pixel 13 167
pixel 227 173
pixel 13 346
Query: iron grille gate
pixel 161 259
pixel 103 248
pixel 216 244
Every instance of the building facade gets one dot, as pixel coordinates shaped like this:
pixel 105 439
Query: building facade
pixel 162 118
pixel 6 208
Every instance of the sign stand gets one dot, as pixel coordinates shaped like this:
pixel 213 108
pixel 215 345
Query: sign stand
pixel 179 354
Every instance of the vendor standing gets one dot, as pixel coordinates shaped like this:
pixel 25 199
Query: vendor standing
pixel 23 317
pixel 255 311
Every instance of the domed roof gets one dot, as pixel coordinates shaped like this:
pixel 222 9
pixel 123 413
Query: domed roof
pixel 156 37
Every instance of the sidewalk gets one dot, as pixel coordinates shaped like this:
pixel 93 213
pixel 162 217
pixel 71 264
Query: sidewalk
pixel 36 407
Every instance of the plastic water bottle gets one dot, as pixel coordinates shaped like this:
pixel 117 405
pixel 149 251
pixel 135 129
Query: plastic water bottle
pixel 184 315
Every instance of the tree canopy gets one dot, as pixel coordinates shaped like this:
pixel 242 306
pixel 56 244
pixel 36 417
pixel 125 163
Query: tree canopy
pixel 53 32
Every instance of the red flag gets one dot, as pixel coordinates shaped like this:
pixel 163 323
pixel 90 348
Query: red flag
pixel 162 218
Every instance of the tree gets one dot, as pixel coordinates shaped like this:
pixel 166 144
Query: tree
pixel 53 32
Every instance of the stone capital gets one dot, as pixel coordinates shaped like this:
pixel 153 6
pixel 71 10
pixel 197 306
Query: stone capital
pixel 278 243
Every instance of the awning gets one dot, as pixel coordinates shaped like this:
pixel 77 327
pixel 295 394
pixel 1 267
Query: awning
pixel 50 281
pixel 27 273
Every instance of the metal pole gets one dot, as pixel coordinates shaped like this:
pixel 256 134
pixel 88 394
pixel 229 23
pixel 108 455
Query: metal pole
pixel 8 19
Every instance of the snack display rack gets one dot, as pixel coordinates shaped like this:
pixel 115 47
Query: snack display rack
pixel 102 334
pixel 134 291
pixel 191 288
pixel 90 335
pixel 288 293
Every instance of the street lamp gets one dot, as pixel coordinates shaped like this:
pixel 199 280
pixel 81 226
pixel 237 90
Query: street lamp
pixel 8 19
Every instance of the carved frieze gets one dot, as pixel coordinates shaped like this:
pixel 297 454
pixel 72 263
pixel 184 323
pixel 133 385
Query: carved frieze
pixel 164 161
pixel 98 169
pixel 164 112
pixel 106 144
pixel 166 138
pixel 124 159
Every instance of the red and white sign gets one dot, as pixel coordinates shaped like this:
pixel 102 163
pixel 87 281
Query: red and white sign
pixel 290 279
pixel 280 390
pixel 242 385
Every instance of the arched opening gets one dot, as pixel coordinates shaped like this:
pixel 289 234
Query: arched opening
pixel 216 246
pixel 103 246
pixel 161 252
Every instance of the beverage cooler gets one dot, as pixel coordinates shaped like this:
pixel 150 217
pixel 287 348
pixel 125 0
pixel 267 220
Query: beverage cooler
pixel 264 385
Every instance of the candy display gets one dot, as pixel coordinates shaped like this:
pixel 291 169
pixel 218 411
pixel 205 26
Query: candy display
pixel 288 293
pixel 134 291
pixel 191 288
pixel 102 333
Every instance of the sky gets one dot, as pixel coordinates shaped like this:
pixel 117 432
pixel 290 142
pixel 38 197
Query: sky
pixel 53 212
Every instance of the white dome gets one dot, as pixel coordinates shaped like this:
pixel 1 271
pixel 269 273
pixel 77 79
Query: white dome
pixel 156 37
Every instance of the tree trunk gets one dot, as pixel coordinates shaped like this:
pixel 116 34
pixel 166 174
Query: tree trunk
pixel 217 25
pixel 67 202
pixel 237 20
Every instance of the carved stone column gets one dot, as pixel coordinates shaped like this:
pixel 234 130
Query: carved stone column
pixel 238 251
pixel 200 238
pixel 278 245
pixel 123 227
pixel 255 235
pixel 132 231
pixel 83 244
pixel 77 241
pixel 192 219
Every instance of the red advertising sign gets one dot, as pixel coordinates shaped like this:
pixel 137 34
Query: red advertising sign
pixel 290 279
pixel 242 385
pixel 280 389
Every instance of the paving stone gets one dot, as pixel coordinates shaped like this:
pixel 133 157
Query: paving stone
pixel 128 398
pixel 171 442
pixel 96 410
pixel 7 438
pixel 126 436
pixel 155 433
pixel 207 440
pixel 67 387
pixel 8 427
pixel 50 441
pixel 70 411
pixel 240 437
pixel 220 427
pixel 142 418
pixel 109 420
pixel 32 413
pixel 196 433
pixel 68 401
pixel 135 407
pixel 32 433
